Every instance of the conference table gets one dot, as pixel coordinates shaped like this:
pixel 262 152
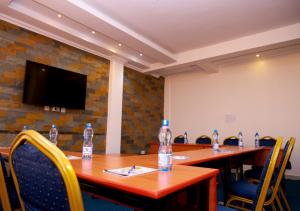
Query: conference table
pixel 187 186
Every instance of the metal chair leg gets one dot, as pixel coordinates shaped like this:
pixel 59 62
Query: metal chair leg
pixel 284 199
pixel 279 203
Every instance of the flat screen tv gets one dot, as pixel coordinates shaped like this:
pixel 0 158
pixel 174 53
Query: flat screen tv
pixel 50 86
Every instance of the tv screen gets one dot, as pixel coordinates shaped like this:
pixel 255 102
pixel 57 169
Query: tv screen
pixel 50 86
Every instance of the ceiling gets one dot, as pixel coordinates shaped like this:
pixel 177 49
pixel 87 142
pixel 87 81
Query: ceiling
pixel 163 37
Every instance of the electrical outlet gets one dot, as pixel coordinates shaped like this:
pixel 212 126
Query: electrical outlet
pixel 46 108
pixel 56 109
pixel 63 110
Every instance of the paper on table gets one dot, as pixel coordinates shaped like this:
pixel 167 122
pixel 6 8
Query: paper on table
pixel 71 157
pixel 180 157
pixel 128 171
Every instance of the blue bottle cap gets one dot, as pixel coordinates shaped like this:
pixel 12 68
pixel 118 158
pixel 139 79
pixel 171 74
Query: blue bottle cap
pixel 215 131
pixel 53 126
pixel 165 122
pixel 88 125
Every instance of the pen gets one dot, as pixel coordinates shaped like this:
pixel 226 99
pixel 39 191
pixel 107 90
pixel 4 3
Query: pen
pixel 111 172
pixel 131 169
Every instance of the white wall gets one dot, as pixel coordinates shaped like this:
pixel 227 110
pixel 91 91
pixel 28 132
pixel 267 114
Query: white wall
pixel 262 95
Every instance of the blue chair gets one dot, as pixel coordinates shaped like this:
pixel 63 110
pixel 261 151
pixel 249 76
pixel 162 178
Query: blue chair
pixel 267 141
pixel 255 171
pixel 231 141
pixel 8 195
pixel 179 139
pixel 256 194
pixel 43 176
pixel 203 140
pixel 223 208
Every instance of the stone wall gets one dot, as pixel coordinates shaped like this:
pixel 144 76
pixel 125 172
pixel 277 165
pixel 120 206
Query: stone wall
pixel 143 103
pixel 18 45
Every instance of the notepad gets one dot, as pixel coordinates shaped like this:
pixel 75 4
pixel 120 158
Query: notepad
pixel 128 171
pixel 180 157
pixel 71 157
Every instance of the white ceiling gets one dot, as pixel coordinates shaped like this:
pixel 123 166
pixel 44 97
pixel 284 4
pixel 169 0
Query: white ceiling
pixel 172 35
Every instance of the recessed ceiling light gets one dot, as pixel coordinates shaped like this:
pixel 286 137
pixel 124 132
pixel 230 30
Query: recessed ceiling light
pixel 257 55
pixel 93 32
pixel 120 44
pixel 141 54
pixel 59 15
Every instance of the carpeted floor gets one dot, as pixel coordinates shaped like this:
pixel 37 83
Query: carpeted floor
pixel 91 204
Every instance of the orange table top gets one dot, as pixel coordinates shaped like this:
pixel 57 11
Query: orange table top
pixel 154 185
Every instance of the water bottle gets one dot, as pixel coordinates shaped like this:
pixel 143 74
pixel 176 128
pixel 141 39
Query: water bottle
pixel 53 133
pixel 215 137
pixel 256 139
pixel 25 127
pixel 165 147
pixel 185 138
pixel 240 136
pixel 87 148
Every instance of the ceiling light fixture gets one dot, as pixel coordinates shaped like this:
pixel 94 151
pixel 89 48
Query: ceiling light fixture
pixel 141 54
pixel 93 32
pixel 257 55
pixel 120 44
pixel 59 15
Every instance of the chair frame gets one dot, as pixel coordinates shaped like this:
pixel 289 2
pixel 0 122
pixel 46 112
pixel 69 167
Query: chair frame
pixel 266 138
pixel 229 138
pixel 263 193
pixel 204 136
pixel 4 198
pixel 58 158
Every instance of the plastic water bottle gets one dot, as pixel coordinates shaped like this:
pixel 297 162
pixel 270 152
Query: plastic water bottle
pixel 25 127
pixel 185 138
pixel 87 148
pixel 256 139
pixel 53 133
pixel 240 136
pixel 165 147
pixel 215 137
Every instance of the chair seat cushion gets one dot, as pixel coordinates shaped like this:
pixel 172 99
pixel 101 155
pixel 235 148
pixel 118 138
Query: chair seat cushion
pixel 245 189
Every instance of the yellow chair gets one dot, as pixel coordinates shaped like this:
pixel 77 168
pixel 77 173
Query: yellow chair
pixel 260 191
pixel 43 176
pixel 4 198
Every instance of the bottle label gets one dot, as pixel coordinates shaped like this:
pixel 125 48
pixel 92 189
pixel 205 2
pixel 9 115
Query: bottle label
pixel 215 146
pixel 241 144
pixel 163 160
pixel 87 151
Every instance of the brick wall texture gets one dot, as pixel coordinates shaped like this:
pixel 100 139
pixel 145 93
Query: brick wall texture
pixel 18 45
pixel 142 94
pixel 143 98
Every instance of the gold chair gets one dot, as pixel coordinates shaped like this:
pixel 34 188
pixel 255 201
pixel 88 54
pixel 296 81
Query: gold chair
pixel 4 198
pixel 256 194
pixel 43 176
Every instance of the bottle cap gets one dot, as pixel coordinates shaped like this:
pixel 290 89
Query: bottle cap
pixel 165 122
pixel 88 125
pixel 215 131
pixel 53 126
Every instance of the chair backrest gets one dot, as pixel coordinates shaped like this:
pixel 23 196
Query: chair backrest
pixel 4 197
pixel 179 139
pixel 266 176
pixel 231 141
pixel 279 172
pixel 43 176
pixel 267 141
pixel 203 140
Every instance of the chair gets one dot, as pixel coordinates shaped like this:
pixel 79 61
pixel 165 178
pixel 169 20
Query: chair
pixel 8 194
pixel 267 141
pixel 231 141
pixel 43 176
pixel 249 193
pixel 203 140
pixel 179 139
pixel 4 198
pixel 255 172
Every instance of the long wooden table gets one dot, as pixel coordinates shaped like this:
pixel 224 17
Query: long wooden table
pixel 157 190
